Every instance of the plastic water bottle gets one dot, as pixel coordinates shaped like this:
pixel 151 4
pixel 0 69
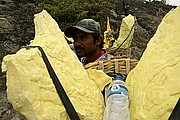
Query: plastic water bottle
pixel 117 101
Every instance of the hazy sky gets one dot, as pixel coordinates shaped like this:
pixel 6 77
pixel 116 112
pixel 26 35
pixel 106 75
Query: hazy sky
pixel 173 2
pixel 170 2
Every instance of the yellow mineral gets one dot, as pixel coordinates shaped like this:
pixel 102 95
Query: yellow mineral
pixel 108 36
pixel 154 84
pixel 30 88
pixel 126 32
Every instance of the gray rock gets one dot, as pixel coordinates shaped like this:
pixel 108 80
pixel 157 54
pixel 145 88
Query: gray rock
pixel 4 23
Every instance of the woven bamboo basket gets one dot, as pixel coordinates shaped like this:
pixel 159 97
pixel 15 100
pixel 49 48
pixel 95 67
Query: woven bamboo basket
pixel 118 64
pixel 119 53
pixel 115 66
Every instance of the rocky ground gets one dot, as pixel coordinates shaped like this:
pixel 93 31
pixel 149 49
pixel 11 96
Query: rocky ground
pixel 17 29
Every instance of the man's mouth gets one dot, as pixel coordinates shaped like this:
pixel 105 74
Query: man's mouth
pixel 79 50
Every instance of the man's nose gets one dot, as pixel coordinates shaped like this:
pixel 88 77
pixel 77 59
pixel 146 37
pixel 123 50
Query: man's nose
pixel 77 41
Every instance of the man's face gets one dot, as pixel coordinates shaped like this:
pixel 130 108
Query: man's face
pixel 84 43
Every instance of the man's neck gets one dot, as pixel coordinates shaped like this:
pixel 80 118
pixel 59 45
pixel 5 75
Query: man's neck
pixel 93 57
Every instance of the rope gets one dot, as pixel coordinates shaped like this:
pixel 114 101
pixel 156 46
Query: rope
pixel 124 39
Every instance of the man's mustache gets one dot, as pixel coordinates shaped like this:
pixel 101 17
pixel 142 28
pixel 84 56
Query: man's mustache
pixel 79 48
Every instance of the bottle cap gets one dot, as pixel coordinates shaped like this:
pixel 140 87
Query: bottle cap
pixel 120 77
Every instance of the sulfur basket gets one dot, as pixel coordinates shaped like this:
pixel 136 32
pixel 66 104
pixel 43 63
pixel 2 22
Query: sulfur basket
pixel 118 61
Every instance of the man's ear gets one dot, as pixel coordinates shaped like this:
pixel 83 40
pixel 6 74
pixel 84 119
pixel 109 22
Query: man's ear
pixel 98 41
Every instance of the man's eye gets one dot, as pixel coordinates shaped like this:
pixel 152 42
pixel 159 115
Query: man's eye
pixel 82 36
pixel 75 38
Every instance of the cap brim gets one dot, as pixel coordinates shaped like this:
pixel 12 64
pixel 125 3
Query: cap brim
pixel 69 31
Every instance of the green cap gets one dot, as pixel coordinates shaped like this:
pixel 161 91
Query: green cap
pixel 85 25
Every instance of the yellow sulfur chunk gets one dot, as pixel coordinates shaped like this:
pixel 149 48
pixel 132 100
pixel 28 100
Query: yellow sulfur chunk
pixel 108 36
pixel 30 88
pixel 154 84
pixel 126 32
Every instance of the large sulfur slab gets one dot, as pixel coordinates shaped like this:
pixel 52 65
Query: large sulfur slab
pixel 30 88
pixel 154 85
pixel 126 32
